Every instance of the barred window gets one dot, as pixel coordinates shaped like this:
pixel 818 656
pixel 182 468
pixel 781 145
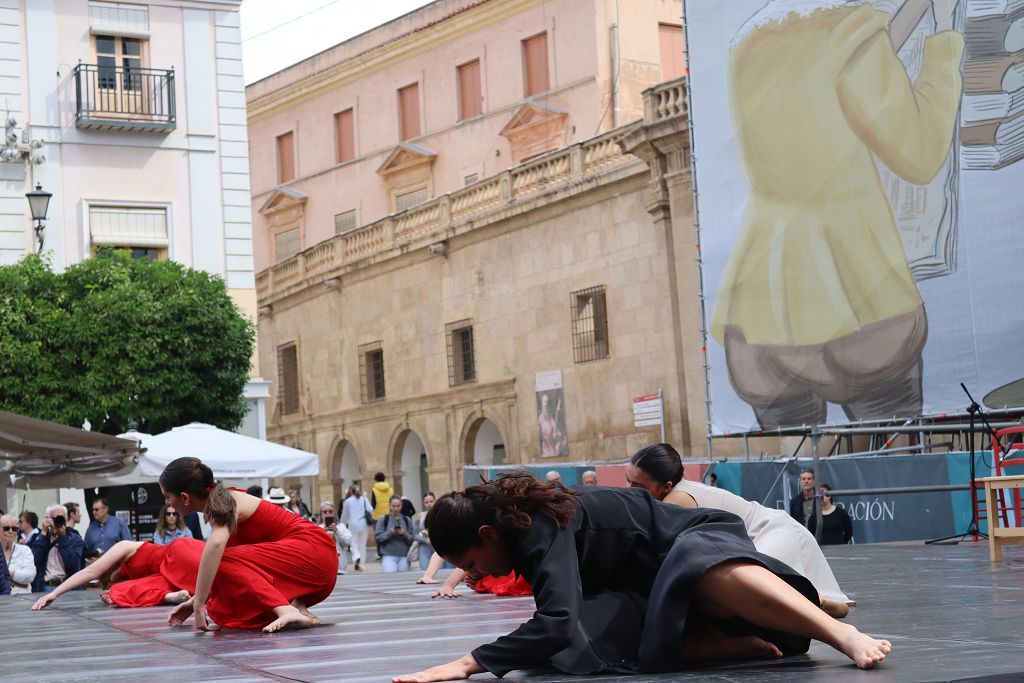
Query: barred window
pixel 288 379
pixel 344 222
pixel 461 353
pixel 371 372
pixel 589 325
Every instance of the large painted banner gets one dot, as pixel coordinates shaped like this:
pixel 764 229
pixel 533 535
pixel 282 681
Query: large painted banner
pixel 862 206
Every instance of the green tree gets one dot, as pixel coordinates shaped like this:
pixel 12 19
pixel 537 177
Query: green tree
pixel 123 343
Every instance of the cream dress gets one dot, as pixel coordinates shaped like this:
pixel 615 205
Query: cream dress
pixel 773 533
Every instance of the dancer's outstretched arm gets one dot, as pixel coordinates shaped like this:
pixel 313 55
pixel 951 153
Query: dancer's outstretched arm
pixel 208 565
pixel 106 562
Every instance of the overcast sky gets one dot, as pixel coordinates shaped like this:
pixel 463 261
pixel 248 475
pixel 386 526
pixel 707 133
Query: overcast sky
pixel 276 34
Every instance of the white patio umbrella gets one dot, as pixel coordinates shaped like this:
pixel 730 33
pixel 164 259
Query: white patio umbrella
pixel 229 455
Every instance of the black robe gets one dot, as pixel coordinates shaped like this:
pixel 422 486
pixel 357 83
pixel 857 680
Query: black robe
pixel 613 590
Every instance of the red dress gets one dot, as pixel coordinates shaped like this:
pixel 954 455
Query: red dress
pixel 144 586
pixel 508 586
pixel 273 557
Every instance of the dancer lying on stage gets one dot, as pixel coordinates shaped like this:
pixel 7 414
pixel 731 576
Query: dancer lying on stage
pixel 625 584
pixel 658 470
pixel 279 564
pixel 136 562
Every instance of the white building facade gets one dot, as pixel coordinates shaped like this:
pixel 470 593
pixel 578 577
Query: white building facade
pixel 140 108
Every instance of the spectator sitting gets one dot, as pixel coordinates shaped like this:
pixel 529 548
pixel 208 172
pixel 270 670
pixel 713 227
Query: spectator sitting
pixel 394 536
pixel 32 539
pixel 339 532
pixel 296 505
pixel 380 495
pixel 64 557
pixel 170 526
pixel 21 565
pixel 74 514
pixel 801 508
pixel 104 531
pixel 589 478
pixel 278 498
pixel 256 491
pixel 836 526
pixel 553 476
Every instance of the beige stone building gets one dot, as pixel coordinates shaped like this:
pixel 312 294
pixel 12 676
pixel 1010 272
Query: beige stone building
pixel 507 314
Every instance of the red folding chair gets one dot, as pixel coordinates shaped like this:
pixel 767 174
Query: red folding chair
pixel 1002 458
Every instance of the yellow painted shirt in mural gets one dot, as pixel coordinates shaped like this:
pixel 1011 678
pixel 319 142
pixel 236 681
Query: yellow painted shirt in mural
pixel 813 99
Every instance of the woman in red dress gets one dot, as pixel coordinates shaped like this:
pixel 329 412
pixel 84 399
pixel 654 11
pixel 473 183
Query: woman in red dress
pixel 278 565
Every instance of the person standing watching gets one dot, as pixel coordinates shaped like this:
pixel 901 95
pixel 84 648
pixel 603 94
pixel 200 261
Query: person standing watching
pixel 381 495
pixel 801 508
pixel 74 514
pixel 21 565
pixel 420 533
pixel 170 526
pixel 297 505
pixel 357 515
pixel 64 557
pixel 32 539
pixel 336 530
pixel 836 527
pixel 104 531
pixel 394 536
pixel 589 478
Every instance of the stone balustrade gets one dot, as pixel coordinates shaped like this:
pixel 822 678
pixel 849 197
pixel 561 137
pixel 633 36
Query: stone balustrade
pixel 443 216
pixel 665 101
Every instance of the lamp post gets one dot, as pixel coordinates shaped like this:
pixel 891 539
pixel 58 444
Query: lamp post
pixel 39 203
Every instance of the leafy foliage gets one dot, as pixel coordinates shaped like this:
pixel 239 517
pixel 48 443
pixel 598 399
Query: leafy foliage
pixel 122 342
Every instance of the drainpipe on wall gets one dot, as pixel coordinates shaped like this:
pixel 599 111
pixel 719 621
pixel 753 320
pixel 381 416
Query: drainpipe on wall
pixel 616 111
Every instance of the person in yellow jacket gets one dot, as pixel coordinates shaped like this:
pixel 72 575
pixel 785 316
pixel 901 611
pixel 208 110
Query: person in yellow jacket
pixel 817 303
pixel 382 493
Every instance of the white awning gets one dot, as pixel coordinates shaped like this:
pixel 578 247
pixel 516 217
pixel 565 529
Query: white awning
pixel 128 226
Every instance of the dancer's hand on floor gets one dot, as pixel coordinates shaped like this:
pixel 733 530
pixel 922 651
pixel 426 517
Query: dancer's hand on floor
pixel 428 580
pixel 445 592
pixel 452 671
pixel 181 613
pixel 202 623
pixel 43 602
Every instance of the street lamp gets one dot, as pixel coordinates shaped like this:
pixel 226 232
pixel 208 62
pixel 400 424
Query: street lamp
pixel 38 203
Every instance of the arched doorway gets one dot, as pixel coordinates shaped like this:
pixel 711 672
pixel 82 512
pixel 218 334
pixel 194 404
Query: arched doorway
pixel 347 470
pixel 484 445
pixel 411 468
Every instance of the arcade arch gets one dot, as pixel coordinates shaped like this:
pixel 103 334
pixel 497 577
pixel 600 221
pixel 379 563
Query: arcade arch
pixel 409 460
pixel 484 445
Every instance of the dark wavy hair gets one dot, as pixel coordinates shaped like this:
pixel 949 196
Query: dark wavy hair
pixel 660 462
pixel 508 503
pixel 191 476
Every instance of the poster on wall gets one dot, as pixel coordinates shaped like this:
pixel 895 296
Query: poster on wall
pixel 554 440
pixel 860 211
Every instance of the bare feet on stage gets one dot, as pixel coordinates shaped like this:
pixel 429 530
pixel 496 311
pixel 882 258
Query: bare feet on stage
pixel 864 650
pixel 835 609
pixel 288 617
pixel 301 606
pixel 174 598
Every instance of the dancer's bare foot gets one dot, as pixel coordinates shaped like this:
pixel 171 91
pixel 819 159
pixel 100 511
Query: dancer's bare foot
pixel 864 650
pixel 176 598
pixel 288 618
pixel 304 611
pixel 106 599
pixel 712 645
pixel 834 608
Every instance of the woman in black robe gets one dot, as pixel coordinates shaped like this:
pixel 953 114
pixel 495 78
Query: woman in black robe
pixel 625 584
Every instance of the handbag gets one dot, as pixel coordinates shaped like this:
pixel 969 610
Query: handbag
pixel 368 514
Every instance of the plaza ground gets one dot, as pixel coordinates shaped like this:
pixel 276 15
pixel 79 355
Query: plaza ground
pixel 950 614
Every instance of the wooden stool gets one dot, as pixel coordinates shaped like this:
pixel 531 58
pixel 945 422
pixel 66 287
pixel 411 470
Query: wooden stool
pixel 999 535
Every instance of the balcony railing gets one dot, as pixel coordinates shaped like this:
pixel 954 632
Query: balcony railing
pixel 124 98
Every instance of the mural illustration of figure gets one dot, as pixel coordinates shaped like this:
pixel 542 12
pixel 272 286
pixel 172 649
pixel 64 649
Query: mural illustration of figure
pixel 818 304
pixel 553 440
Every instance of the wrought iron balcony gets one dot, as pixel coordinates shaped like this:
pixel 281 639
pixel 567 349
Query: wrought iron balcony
pixel 124 98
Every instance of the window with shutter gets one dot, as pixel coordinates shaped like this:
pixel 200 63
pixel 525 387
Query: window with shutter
pixel 345 221
pixel 670 38
pixel 288 378
pixel 344 126
pixel 286 157
pixel 589 325
pixel 287 244
pixel 371 372
pixel 461 352
pixel 409 111
pixel 470 96
pixel 407 200
pixel 535 61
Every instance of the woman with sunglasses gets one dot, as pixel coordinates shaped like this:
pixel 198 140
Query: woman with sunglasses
pixel 21 564
pixel 170 526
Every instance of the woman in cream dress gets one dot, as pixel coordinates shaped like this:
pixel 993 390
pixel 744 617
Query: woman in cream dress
pixel 659 470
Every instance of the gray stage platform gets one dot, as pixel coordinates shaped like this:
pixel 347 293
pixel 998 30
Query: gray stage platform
pixel 949 613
